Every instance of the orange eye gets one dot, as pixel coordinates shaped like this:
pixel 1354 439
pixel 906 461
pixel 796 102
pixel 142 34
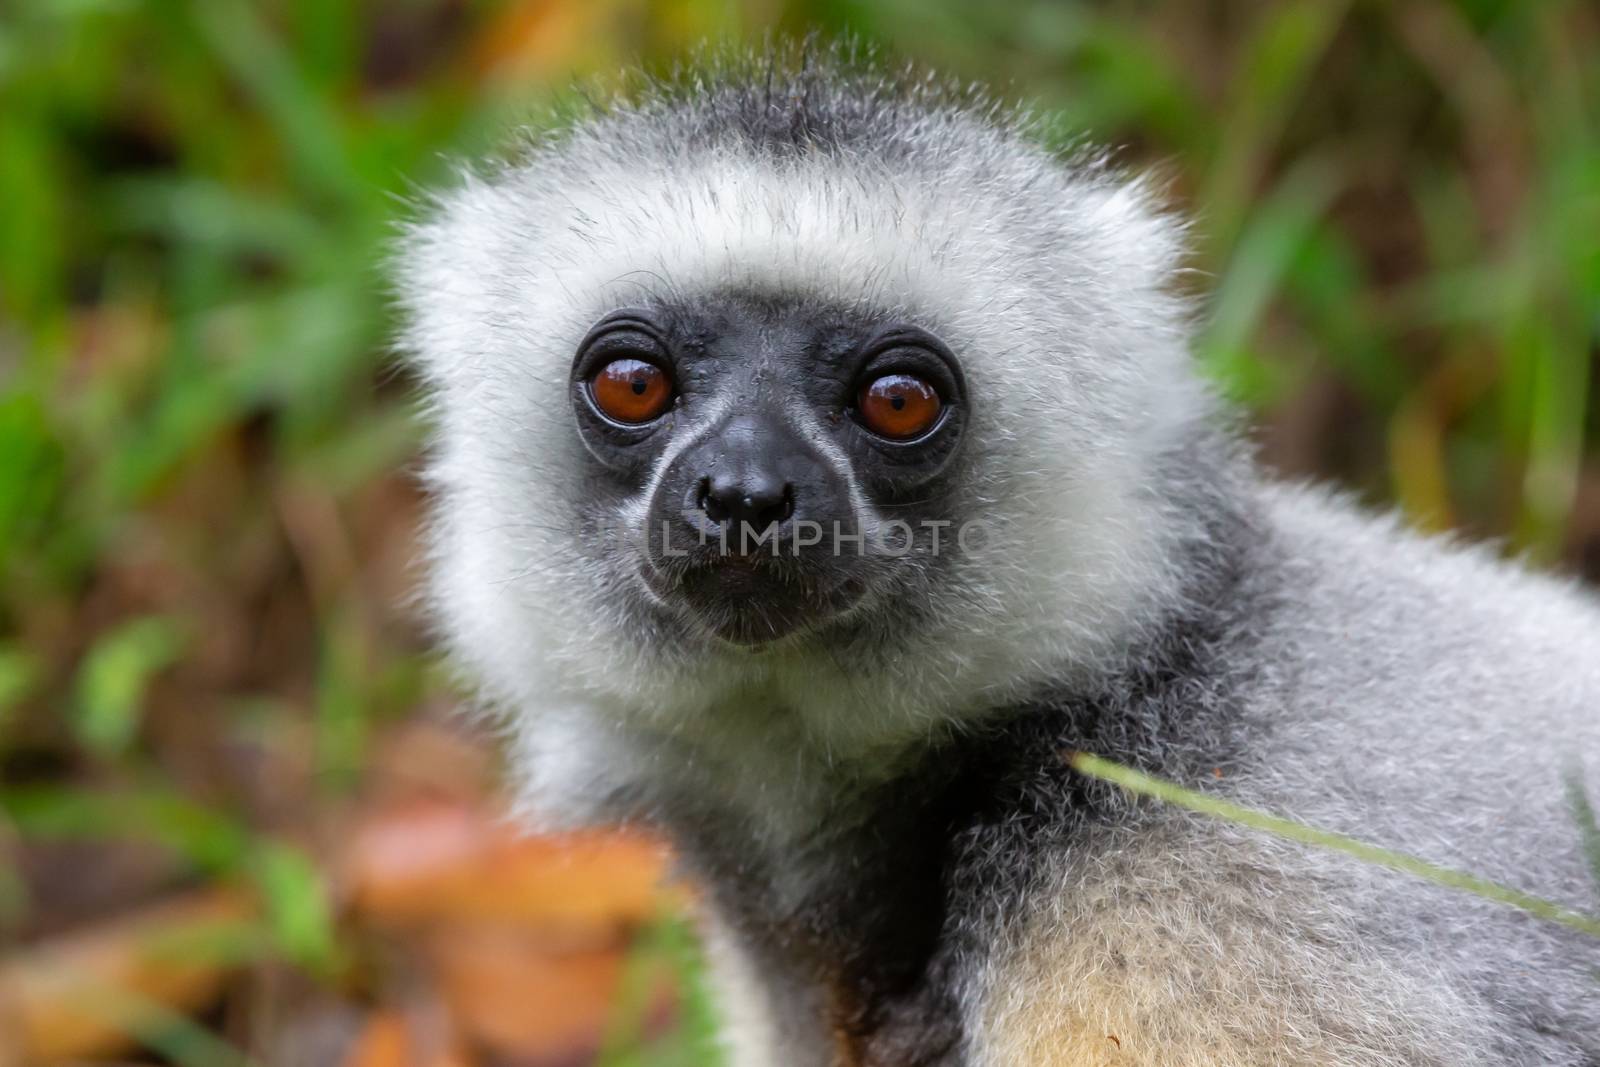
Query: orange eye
pixel 631 390
pixel 898 406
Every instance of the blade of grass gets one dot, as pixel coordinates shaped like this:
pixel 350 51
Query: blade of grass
pixel 101 990
pixel 1262 258
pixel 115 676
pixel 1144 785
pixel 1588 826
pixel 207 838
pixel 299 912
pixel 1278 60
pixel 306 124
pixel 1560 370
pixel 170 1033
pixel 666 951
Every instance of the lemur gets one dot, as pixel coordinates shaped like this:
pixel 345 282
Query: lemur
pixel 819 462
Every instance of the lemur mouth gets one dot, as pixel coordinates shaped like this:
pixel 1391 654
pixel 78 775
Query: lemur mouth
pixel 753 601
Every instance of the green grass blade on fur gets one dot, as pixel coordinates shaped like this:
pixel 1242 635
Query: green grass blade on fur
pixel 1144 785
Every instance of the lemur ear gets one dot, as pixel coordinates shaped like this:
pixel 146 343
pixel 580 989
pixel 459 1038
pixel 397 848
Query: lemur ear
pixel 444 265
pixel 1132 236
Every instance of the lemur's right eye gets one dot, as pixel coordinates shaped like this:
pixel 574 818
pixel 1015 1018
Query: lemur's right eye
pixel 631 390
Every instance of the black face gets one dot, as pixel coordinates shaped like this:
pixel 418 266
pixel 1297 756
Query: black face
pixel 770 445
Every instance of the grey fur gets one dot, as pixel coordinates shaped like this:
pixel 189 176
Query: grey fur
pixel 902 868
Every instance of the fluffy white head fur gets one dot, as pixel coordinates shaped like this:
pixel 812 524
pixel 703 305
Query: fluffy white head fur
pixel 1048 279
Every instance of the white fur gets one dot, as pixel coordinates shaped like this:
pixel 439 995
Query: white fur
pixel 510 272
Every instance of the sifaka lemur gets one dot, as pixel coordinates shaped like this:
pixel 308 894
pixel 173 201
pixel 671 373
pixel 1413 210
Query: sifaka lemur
pixel 819 463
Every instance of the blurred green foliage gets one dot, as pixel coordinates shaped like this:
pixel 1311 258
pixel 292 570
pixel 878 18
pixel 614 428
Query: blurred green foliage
pixel 203 443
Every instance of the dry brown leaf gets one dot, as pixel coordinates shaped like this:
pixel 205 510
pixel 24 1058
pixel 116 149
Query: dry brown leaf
pixel 440 861
pixel 518 999
pixel 384 1043
pixel 79 995
pixel 392 1040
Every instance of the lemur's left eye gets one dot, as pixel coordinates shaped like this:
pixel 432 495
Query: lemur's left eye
pixel 631 390
pixel 899 406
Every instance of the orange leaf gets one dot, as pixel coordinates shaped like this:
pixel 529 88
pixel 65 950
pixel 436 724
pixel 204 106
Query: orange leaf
pixel 521 1000
pixel 81 994
pixel 447 862
pixel 390 1040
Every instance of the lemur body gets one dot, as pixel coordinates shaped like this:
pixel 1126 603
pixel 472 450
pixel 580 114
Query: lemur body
pixel 862 754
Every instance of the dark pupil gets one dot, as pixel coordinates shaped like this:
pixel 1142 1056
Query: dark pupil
pixel 897 401
pixel 639 385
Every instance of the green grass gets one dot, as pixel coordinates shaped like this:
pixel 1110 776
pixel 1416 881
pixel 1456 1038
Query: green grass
pixel 1396 215
pixel 1219 808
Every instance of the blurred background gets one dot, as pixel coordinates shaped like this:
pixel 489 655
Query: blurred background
pixel 239 821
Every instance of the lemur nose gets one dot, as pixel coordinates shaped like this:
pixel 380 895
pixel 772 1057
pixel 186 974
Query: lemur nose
pixel 759 498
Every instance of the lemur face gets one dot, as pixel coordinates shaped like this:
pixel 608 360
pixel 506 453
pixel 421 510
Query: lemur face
pixel 840 412
pixel 763 443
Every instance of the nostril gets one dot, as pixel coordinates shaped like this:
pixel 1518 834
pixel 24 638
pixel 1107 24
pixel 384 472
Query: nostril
pixel 760 506
pixel 785 505
pixel 713 504
pixel 764 510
